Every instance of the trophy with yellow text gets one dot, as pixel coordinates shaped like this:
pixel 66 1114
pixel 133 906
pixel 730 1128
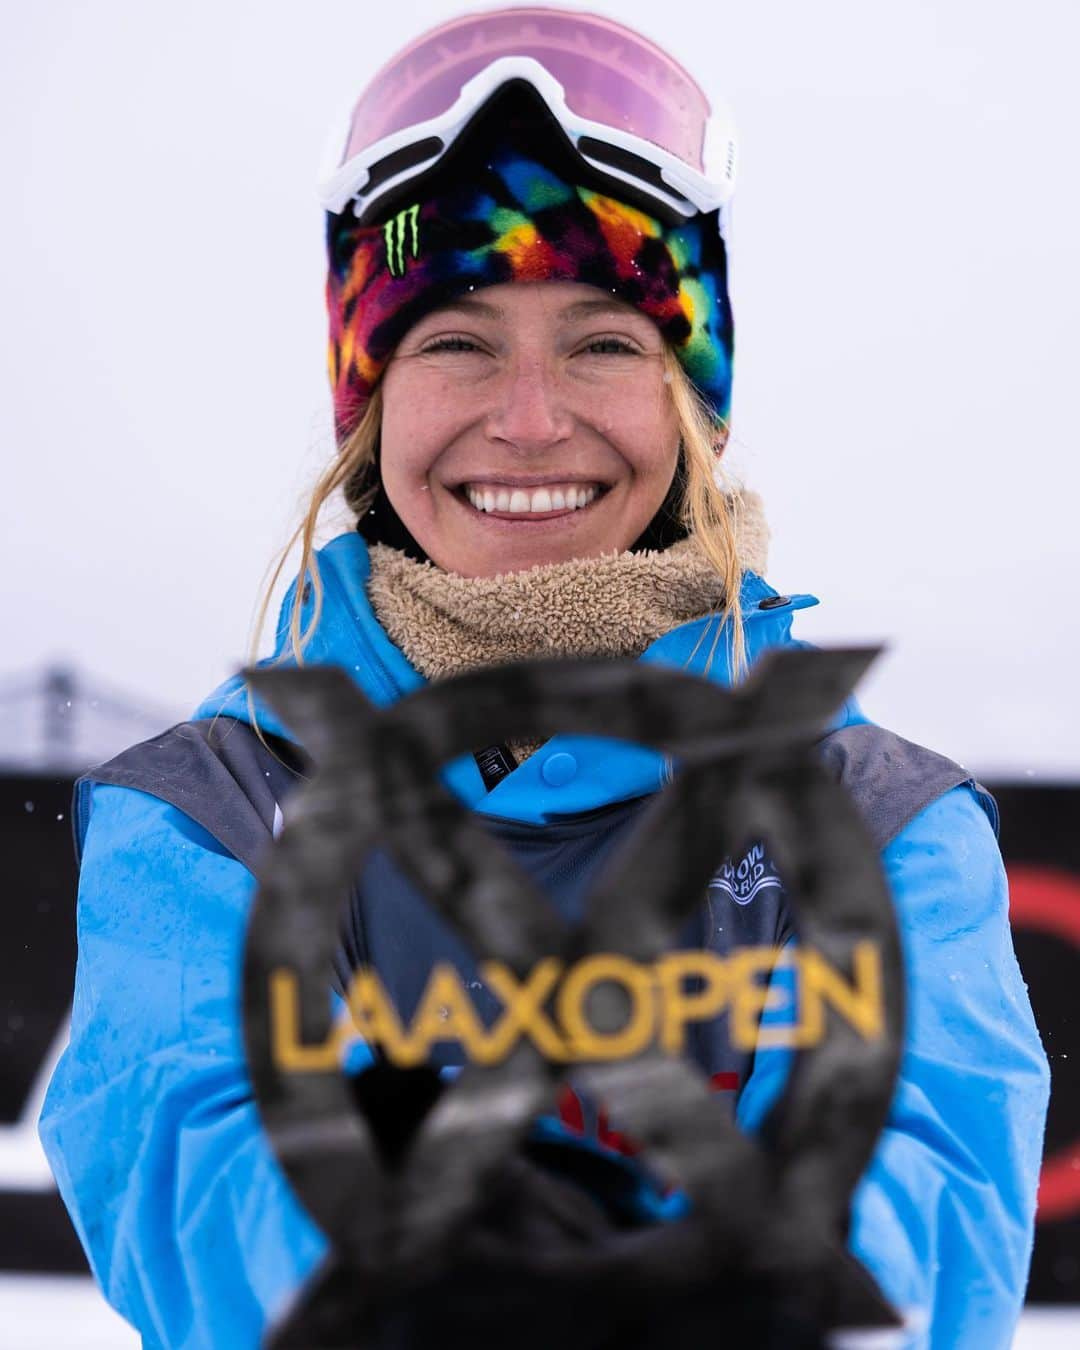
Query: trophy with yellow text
pixel 503 1061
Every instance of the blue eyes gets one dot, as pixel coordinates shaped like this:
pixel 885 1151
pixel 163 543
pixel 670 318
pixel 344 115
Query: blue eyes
pixel 613 346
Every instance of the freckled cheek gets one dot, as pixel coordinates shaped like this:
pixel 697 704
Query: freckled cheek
pixel 648 444
pixel 406 476
pixel 632 410
pixel 424 419
pixel 412 448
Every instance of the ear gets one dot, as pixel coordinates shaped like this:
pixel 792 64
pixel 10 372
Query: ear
pixel 720 439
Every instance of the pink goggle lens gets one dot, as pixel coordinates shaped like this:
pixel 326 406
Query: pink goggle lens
pixel 609 74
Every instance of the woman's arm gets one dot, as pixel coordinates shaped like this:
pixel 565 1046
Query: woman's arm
pixel 149 1123
pixel 944 1215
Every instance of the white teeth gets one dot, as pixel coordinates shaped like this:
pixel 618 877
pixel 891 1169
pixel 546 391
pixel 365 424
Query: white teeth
pixel 522 501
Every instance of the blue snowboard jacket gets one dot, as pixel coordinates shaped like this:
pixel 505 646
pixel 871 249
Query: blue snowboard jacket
pixel 152 1133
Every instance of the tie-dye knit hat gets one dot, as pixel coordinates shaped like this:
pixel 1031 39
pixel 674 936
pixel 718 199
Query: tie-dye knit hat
pixel 516 210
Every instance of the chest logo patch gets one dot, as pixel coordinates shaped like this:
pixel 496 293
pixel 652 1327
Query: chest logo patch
pixel 754 873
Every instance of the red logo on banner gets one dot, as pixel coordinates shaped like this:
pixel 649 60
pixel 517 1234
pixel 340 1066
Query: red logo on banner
pixel 1047 900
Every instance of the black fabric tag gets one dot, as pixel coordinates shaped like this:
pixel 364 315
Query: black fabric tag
pixel 494 763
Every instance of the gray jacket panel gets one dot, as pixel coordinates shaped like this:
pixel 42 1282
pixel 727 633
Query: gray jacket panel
pixel 216 771
pixel 891 779
pixel 221 775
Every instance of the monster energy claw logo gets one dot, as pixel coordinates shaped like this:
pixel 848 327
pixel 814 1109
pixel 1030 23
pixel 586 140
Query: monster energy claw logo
pixel 394 235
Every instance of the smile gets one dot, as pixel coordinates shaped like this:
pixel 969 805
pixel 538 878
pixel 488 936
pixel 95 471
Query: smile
pixel 545 501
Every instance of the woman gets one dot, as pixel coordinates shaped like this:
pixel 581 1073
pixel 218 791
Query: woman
pixel 531 350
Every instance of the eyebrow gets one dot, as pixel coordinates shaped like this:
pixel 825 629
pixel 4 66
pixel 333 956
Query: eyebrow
pixel 581 309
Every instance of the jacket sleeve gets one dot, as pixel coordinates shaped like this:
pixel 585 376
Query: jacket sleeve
pixel 944 1215
pixel 149 1124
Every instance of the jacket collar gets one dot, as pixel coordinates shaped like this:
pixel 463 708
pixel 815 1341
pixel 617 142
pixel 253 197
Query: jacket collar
pixel 593 772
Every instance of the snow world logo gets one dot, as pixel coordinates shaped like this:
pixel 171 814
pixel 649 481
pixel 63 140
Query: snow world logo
pixel 754 873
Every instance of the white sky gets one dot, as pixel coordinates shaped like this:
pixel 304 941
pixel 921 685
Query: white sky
pixel 905 286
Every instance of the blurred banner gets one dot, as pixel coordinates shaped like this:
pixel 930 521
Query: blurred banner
pixel 62 728
pixel 53 724
pixel 1040 838
pixel 37 961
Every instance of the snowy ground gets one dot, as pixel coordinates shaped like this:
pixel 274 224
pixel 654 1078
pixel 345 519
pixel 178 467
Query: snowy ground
pixel 43 1312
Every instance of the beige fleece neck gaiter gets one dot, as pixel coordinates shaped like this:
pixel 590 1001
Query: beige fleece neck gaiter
pixel 615 605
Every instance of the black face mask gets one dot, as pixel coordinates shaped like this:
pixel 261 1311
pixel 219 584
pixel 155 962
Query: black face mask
pixel 381 524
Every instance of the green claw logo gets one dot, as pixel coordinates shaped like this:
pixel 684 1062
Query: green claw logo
pixel 394 235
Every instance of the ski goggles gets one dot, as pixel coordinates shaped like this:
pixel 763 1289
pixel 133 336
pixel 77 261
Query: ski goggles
pixel 628 109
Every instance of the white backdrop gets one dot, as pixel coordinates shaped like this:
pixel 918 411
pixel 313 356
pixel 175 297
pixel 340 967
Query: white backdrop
pixel 905 287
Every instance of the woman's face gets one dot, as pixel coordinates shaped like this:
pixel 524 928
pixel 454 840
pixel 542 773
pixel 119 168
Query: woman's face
pixel 527 423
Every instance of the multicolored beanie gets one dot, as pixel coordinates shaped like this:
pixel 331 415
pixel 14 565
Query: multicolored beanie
pixel 515 218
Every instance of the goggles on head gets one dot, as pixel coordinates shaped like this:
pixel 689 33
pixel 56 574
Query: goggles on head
pixel 626 107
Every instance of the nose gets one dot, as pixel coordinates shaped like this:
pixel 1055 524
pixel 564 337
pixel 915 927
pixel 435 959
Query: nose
pixel 529 413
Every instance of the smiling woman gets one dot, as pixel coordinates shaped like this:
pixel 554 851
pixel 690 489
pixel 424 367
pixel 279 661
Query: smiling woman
pixel 487 405
pixel 530 356
pixel 532 428
pixel 518 327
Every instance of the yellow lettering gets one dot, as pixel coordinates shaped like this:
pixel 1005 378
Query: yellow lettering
pixel 859 1002
pixel 749 998
pixel 678 1005
pixel 287 1051
pixel 790 1036
pixel 585 1042
pixel 376 1020
pixel 660 1005
pixel 523 1009
pixel 446 1013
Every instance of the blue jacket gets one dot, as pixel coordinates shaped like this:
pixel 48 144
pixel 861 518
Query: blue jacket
pixel 153 1136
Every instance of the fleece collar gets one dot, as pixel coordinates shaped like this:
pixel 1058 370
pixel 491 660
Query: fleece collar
pixel 589 772
pixel 614 605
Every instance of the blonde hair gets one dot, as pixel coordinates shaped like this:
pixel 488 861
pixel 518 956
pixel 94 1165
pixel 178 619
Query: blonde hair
pixel 709 509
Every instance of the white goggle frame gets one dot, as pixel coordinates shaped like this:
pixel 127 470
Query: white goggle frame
pixel 688 191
